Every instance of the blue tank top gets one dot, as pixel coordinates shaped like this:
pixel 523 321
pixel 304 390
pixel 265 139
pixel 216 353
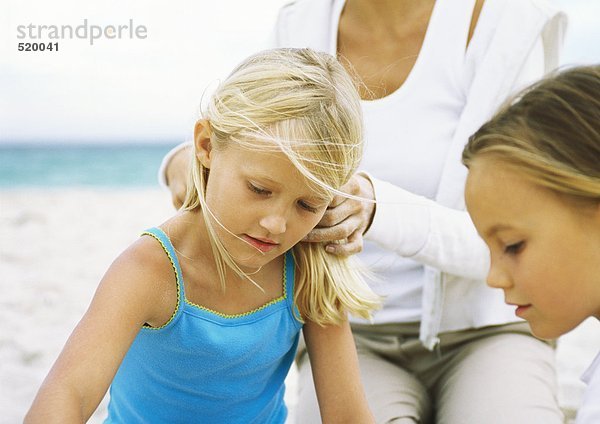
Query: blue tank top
pixel 203 366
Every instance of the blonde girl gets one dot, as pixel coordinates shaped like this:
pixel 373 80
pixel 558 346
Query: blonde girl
pixel 198 321
pixel 533 192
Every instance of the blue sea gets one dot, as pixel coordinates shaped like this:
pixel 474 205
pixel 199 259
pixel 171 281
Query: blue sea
pixel 110 165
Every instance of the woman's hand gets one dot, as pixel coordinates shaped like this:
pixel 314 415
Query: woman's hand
pixel 346 220
pixel 176 175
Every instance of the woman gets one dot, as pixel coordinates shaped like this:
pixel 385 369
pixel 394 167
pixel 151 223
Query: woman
pixel 432 73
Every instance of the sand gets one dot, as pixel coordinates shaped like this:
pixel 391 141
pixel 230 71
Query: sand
pixel 55 245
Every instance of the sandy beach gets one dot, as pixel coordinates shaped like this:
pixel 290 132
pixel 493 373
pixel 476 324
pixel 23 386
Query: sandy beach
pixel 55 246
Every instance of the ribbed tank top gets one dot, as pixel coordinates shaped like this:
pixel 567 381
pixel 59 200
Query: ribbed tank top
pixel 203 366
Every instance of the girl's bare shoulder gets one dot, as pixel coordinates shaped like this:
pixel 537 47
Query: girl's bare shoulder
pixel 144 275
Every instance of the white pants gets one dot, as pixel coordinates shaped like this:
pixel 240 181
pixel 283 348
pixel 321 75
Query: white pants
pixel 492 375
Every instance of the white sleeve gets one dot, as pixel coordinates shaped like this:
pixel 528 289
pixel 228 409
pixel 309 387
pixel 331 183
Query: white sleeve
pixel 421 229
pixel 438 236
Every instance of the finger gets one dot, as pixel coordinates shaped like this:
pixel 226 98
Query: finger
pixel 338 232
pixel 336 201
pixel 354 245
pixel 352 187
pixel 340 213
pixel 333 217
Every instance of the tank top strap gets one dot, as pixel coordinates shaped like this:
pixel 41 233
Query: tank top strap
pixel 167 246
pixel 448 31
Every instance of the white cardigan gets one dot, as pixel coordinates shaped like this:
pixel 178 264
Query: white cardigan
pixel 455 296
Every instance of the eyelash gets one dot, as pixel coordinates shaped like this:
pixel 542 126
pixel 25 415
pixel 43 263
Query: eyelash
pixel 514 248
pixel 258 190
pixel 263 192
pixel 307 207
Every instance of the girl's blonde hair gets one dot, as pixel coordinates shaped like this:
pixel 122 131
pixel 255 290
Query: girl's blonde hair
pixel 304 104
pixel 550 134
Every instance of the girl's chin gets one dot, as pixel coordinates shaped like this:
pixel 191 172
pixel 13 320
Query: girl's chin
pixel 250 263
pixel 249 258
pixel 549 332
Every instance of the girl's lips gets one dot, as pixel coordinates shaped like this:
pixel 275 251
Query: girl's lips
pixel 261 244
pixel 521 309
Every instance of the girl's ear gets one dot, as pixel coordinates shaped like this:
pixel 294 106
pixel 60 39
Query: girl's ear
pixel 202 142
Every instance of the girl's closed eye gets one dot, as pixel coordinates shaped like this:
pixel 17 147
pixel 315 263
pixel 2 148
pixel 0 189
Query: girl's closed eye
pixel 258 190
pixel 515 248
pixel 306 206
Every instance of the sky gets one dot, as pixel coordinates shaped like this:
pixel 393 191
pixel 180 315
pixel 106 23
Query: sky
pixel 147 86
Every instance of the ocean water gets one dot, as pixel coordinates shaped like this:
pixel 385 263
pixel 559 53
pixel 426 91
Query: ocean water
pixel 115 165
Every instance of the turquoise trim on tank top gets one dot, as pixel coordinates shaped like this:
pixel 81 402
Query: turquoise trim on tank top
pixel 167 246
pixel 285 300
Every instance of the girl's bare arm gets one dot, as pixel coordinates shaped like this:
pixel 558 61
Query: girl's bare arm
pixel 336 374
pixel 126 298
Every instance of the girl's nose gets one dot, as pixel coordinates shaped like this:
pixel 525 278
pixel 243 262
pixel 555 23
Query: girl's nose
pixel 497 277
pixel 274 223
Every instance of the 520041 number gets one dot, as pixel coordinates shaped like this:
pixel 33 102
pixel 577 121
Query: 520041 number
pixel 38 47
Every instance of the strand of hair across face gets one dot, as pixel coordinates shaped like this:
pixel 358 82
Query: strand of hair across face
pixel 240 271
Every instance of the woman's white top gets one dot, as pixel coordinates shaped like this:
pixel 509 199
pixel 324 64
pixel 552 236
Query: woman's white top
pixel 589 412
pixel 429 259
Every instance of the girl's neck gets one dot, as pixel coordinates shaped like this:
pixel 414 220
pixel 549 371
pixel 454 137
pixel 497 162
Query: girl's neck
pixel 190 239
pixel 189 235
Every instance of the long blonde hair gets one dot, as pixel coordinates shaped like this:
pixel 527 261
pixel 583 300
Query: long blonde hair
pixel 550 134
pixel 305 105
